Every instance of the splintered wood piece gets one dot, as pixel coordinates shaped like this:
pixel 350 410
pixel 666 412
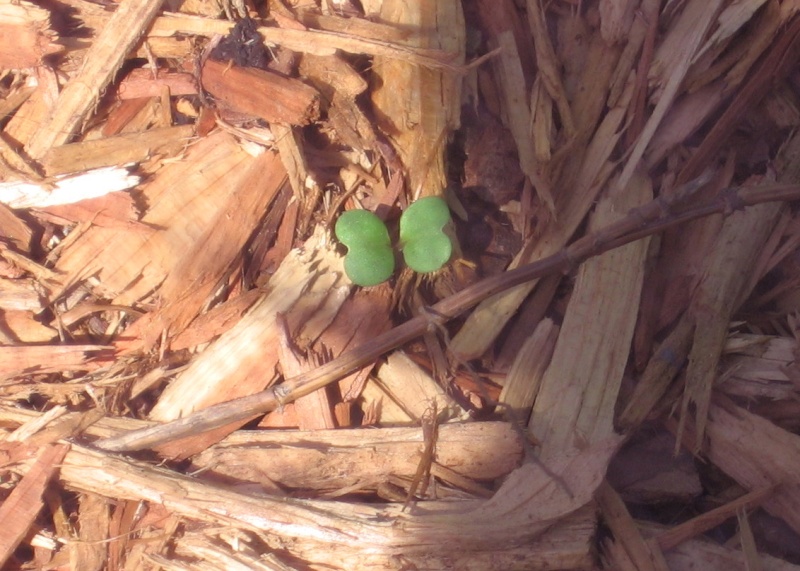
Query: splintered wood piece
pixel 118 150
pixel 721 290
pixel 13 229
pixel 314 411
pixel 670 66
pixel 184 202
pixel 261 93
pixel 364 316
pixel 26 359
pixel 191 282
pixel 19 295
pixel 576 401
pixel 414 390
pixel 757 454
pixel 23 327
pixel 539 505
pixel 242 361
pixel 330 460
pixel 549 65
pixel 90 552
pixel 645 555
pixel 25 35
pixel 713 557
pixel 486 322
pixel 417 107
pixel 696 526
pixel 19 510
pixel 103 59
pixel 67 189
pixel 523 380
pixel 114 210
pixel 142 83
pixel 517 105
pixel 317 42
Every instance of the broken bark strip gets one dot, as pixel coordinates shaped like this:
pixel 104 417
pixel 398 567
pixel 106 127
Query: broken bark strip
pixel 19 509
pixel 261 93
pixel 641 222
pixel 104 58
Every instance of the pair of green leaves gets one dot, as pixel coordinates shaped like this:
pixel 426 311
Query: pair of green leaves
pixel 370 260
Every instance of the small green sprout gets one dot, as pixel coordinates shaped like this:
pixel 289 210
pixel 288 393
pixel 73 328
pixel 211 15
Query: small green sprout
pixel 426 248
pixel 369 260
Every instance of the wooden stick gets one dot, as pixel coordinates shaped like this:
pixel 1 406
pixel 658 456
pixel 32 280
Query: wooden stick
pixel 651 218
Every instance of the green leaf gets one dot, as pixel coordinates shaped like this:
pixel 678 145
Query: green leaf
pixel 369 260
pixel 426 248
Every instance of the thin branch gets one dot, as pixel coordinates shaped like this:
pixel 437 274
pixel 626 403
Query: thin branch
pixel 654 217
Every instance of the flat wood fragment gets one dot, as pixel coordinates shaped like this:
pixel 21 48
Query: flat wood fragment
pixel 261 93
pixel 26 359
pixel 119 150
pixel 184 201
pixel 579 389
pixel 413 389
pixel 19 510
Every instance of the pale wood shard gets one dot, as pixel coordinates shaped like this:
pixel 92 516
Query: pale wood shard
pixel 142 83
pixel 487 320
pixel 668 539
pixel 184 200
pixel 90 551
pixel 548 64
pixel 25 35
pixel 261 93
pixel 757 454
pixel 18 360
pixel 216 250
pixel 418 108
pixel 523 380
pixel 329 460
pixel 707 555
pixel 513 88
pixel 317 42
pixel 670 65
pixel 67 189
pixel 413 389
pixel 19 510
pixel 19 295
pixel 579 388
pixel 242 361
pixel 645 555
pixel 102 61
pixel 14 230
pixel 119 150
pixel 721 290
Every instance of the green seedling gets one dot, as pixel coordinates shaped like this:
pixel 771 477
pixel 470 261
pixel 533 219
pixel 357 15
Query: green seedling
pixel 369 260
pixel 426 248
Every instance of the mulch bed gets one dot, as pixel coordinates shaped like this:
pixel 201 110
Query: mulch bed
pixel 602 375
